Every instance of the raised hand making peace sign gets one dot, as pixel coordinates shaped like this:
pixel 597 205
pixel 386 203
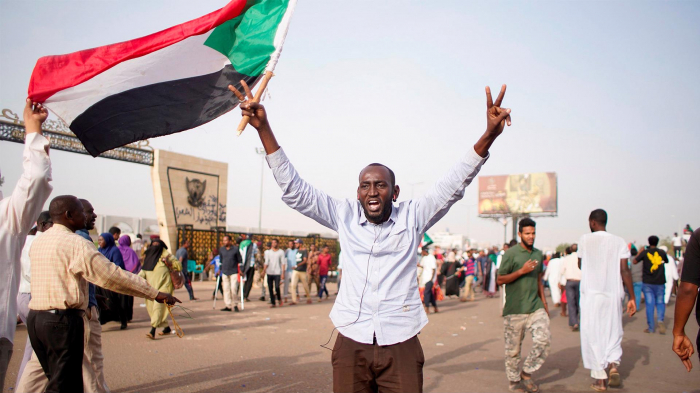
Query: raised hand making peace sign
pixel 496 120
pixel 496 117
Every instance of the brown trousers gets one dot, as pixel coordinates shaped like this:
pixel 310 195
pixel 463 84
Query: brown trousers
pixel 373 368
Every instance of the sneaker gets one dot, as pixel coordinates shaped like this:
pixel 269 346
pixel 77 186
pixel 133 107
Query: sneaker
pixel 225 309
pixel 235 308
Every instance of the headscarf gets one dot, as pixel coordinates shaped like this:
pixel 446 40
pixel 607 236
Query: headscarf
pixel 110 251
pixel 153 254
pixel 131 260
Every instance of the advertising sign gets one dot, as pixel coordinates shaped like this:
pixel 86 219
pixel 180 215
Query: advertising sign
pixel 529 193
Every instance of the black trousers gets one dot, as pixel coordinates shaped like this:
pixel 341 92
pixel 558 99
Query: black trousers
pixel 249 276
pixel 273 282
pixel 58 341
pixel 428 296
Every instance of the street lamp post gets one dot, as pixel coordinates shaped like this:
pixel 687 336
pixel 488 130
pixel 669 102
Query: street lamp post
pixel 261 151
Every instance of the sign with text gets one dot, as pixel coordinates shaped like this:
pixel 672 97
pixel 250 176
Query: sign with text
pixel 195 198
pixel 518 194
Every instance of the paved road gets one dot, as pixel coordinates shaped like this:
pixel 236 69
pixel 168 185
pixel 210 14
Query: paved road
pixel 278 350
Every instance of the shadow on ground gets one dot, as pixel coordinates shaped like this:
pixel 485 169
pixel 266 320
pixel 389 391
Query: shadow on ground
pixel 254 374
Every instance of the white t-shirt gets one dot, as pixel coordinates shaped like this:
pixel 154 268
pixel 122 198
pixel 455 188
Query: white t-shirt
pixel 569 267
pixel 274 261
pixel 429 264
pixel 677 241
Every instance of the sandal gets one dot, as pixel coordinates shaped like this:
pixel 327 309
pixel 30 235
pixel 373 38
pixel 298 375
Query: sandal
pixel 614 380
pixel 149 335
pixel 529 385
pixel 517 388
pixel 598 388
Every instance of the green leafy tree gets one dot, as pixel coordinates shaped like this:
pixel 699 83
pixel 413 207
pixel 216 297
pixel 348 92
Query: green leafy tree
pixel 562 247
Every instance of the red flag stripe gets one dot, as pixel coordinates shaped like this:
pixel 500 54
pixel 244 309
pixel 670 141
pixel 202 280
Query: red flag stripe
pixel 55 73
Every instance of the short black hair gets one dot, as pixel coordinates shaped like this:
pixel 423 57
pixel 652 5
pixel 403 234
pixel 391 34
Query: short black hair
pixel 512 242
pixel 114 230
pixel 653 240
pixel 44 217
pixel 139 236
pixel 526 222
pixel 391 173
pixel 568 250
pixel 599 216
pixel 227 236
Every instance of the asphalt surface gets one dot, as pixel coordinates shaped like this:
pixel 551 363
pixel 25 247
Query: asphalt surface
pixel 279 350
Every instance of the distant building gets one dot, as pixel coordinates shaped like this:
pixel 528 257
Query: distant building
pixel 448 241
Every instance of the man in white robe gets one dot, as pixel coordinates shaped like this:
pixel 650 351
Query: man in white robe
pixel 671 271
pixel 603 260
pixel 18 213
pixel 552 275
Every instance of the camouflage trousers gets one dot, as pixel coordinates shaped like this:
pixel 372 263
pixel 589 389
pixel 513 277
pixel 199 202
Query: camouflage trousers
pixel 516 325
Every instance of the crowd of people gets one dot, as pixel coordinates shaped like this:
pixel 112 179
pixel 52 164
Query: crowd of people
pixel 239 266
pixel 70 286
pixel 615 270
pixel 59 282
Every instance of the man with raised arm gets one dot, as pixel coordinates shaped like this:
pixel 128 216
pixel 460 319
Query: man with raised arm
pixel 603 257
pixel 18 213
pixel 378 311
pixel 62 264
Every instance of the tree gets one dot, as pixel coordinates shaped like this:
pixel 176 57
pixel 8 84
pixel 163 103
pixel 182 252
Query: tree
pixel 561 248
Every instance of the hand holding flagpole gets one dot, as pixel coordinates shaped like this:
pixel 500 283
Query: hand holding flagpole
pixel 249 95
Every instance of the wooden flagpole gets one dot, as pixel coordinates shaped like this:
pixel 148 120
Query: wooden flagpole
pixel 258 96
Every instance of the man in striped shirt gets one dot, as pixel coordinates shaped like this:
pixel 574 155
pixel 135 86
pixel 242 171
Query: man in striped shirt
pixel 62 263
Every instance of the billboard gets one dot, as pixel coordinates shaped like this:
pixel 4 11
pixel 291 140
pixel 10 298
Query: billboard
pixel 529 193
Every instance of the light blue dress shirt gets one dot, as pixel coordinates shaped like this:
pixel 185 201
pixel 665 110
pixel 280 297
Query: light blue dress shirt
pixel 378 260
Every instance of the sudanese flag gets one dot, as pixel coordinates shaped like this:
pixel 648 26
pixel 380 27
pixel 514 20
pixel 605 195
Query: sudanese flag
pixel 164 83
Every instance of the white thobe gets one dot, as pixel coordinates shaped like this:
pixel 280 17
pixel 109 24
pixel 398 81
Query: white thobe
pixel 601 300
pixel 429 264
pixel 553 275
pixel 671 271
pixel 18 213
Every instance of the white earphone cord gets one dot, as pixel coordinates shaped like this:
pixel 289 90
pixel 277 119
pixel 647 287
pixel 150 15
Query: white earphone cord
pixel 359 312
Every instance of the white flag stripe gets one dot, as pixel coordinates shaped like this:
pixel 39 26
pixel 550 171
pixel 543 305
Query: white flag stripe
pixel 280 35
pixel 185 59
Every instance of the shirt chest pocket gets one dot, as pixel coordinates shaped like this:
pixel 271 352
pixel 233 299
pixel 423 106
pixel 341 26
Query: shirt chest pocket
pixel 397 241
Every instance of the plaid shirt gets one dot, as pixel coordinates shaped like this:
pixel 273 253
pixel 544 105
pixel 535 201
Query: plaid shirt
pixel 62 263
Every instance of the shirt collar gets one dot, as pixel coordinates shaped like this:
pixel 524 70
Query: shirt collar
pixel 59 227
pixel 393 217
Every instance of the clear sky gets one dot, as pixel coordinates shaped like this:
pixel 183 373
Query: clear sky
pixel 603 93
